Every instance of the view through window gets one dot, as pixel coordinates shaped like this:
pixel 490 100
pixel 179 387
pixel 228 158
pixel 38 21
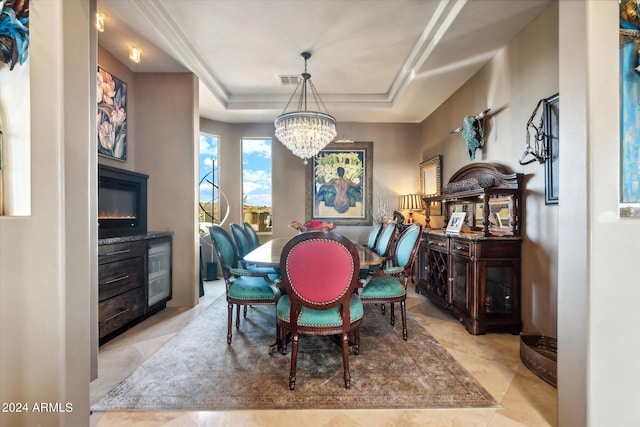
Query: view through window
pixel 256 183
pixel 208 183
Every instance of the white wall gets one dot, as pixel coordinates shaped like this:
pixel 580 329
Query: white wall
pixel 48 260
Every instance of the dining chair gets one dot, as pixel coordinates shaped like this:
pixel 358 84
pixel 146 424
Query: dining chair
pixel 389 285
pixel 243 287
pixel 372 240
pixel 320 276
pixel 253 236
pixel 245 245
pixel 384 244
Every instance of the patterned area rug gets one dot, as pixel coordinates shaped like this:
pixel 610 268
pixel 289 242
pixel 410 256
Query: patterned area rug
pixel 197 370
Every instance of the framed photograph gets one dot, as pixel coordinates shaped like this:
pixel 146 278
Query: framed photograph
pixel 112 116
pixel 431 182
pixel 455 222
pixel 550 118
pixel 340 183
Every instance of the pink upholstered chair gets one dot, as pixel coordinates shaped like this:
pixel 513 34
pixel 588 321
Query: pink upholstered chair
pixel 320 275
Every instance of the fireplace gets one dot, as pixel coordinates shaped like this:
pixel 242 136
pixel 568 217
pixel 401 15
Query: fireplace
pixel 122 202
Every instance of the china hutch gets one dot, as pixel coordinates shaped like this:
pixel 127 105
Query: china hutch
pixel 475 273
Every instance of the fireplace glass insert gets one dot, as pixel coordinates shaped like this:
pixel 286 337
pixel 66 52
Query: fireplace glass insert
pixel 122 202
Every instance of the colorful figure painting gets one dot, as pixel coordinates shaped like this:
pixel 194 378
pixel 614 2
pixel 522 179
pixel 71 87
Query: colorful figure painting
pixel 341 184
pixel 112 116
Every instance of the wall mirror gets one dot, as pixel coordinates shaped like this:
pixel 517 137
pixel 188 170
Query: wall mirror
pixel 431 182
pixel 499 208
pixel 499 213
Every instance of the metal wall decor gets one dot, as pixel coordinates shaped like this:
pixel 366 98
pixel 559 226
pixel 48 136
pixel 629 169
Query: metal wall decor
pixel 472 130
pixel 542 144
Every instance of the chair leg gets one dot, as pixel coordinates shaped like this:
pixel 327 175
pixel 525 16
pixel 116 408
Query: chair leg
pixel 238 316
pixel 244 311
pixel 393 314
pixel 345 360
pixel 403 312
pixel 229 321
pixel 382 308
pixel 356 336
pixel 294 360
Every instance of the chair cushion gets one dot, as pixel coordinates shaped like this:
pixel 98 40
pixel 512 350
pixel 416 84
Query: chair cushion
pixel 262 270
pixel 310 317
pixel 250 288
pixel 383 287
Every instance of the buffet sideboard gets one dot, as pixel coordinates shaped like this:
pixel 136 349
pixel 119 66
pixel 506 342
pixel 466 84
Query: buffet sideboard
pixel 475 273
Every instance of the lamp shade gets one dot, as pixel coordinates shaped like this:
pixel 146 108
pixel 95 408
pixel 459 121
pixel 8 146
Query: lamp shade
pixel 410 202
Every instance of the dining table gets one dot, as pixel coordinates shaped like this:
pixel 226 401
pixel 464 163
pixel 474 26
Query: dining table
pixel 268 254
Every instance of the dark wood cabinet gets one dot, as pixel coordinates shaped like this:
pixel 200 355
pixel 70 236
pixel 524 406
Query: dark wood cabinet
pixel 475 274
pixel 134 280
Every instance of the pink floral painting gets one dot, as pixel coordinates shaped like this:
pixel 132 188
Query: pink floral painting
pixel 112 116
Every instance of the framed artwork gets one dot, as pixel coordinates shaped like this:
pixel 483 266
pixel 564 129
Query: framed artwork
pixel 629 118
pixel 550 118
pixel 455 222
pixel 431 182
pixel 339 184
pixel 112 116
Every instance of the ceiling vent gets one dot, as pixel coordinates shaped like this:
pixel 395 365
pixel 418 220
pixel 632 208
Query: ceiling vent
pixel 289 80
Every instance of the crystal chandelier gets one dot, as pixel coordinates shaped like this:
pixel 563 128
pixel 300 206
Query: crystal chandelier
pixel 305 132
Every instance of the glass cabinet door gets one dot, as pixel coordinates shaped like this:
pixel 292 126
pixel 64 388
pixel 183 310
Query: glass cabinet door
pixel 460 279
pixel 499 289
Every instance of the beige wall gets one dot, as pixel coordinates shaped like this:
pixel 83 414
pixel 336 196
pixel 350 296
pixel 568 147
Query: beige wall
pixel 511 85
pixel 395 168
pixel 48 260
pixel 166 149
pixel 162 129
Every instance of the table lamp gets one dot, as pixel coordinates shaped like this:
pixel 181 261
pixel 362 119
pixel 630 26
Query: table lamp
pixel 410 202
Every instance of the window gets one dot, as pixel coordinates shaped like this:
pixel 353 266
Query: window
pixel 256 183
pixel 209 191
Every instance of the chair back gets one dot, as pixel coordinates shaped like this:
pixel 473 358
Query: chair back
pixel 243 241
pixel 225 249
pixel 320 271
pixel 253 236
pixel 373 235
pixel 407 247
pixel 386 238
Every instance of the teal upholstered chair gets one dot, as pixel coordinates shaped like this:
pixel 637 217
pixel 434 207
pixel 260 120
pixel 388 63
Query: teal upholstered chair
pixel 320 276
pixel 253 236
pixel 389 285
pixel 373 235
pixel 382 246
pixel 243 287
pixel 244 245
pixel 372 240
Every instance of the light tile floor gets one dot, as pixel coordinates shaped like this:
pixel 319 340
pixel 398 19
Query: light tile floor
pixel 493 359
